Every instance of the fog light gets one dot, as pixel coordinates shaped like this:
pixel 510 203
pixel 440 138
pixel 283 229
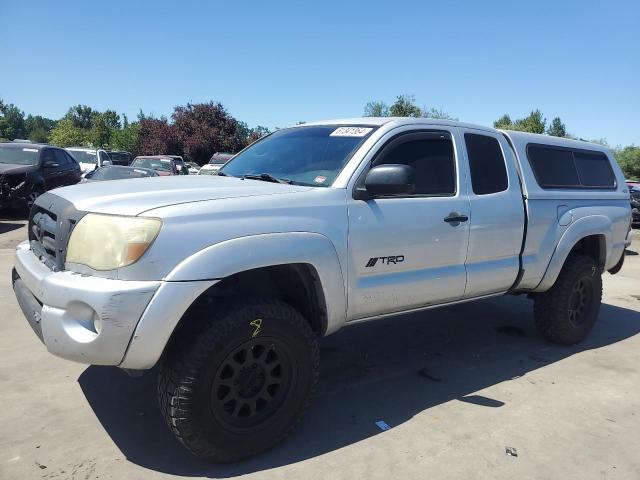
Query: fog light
pixel 81 322
pixel 97 323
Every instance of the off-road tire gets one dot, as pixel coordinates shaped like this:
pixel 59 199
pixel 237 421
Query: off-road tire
pixel 555 310
pixel 197 361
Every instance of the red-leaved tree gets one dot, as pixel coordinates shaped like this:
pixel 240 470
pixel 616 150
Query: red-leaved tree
pixel 205 128
pixel 157 137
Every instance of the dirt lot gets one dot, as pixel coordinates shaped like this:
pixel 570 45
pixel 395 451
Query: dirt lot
pixel 457 386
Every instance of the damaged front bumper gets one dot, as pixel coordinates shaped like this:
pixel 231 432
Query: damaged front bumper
pixel 12 193
pixel 78 317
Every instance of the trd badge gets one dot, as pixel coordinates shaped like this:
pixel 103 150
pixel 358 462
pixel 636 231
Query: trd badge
pixel 391 260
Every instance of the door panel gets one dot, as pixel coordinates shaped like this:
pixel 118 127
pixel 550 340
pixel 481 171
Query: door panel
pixel 497 220
pixel 402 253
pixel 53 176
pixel 65 167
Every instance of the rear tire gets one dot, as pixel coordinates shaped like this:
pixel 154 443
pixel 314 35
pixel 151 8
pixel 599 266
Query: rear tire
pixel 566 313
pixel 238 383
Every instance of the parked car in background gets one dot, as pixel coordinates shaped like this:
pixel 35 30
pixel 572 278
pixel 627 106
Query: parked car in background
pixel 89 158
pixel 634 193
pixel 162 164
pixel 179 159
pixel 120 157
pixel 118 172
pixel 216 162
pixel 28 170
pixel 193 167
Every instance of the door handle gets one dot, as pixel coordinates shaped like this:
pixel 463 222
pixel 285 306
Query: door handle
pixel 455 217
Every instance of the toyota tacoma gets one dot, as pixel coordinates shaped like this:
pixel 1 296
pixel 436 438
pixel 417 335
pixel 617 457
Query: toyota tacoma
pixel 226 282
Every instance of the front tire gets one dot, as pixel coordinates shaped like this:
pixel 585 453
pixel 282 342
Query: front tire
pixel 566 313
pixel 237 383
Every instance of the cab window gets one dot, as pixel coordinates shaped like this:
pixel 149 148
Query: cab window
pixel 486 163
pixel 431 157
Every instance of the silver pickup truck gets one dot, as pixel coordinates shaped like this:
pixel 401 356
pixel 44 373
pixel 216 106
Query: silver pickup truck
pixel 226 282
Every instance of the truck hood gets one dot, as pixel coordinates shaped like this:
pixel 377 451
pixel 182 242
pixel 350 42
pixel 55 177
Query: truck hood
pixel 135 196
pixel 11 168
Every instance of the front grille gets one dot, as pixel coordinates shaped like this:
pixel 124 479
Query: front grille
pixel 43 230
pixel 51 221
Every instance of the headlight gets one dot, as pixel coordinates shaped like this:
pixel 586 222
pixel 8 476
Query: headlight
pixel 107 242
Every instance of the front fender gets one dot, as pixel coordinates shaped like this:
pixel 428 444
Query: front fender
pixel 581 228
pixel 245 253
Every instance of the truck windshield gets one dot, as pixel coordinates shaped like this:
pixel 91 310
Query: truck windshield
pixel 302 156
pixel 161 164
pixel 84 156
pixel 18 156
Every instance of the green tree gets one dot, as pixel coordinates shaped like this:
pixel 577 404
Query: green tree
pixel 81 116
pixel 629 160
pixel 126 138
pixel 376 109
pixel 504 122
pixel 534 123
pixel 557 128
pixel 436 113
pixel 38 128
pixel 38 135
pixel 405 106
pixel 66 134
pixel 103 125
pixel 12 124
pixel 247 135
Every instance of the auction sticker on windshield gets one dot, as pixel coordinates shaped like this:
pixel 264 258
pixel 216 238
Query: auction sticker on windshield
pixel 29 149
pixel 350 131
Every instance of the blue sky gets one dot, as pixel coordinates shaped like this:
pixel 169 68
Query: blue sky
pixel 275 63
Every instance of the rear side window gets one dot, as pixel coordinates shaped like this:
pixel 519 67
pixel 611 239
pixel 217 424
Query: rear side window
pixel 488 171
pixel 593 169
pixel 48 156
pixel 61 157
pixel 557 167
pixel 432 161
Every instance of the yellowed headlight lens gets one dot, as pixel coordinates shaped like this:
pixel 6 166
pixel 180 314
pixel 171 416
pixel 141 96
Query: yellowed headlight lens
pixel 107 242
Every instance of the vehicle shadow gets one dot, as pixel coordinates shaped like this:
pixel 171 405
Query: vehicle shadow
pixel 9 226
pixel 386 370
pixel 9 214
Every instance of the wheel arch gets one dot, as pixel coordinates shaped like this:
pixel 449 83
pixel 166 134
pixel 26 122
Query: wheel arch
pixel 297 284
pixel 591 236
pixel 306 263
pixel 300 268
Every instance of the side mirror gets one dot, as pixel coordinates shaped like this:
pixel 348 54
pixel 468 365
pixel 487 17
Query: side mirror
pixel 50 164
pixel 106 163
pixel 392 179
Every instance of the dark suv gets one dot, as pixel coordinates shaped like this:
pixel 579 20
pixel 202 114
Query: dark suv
pixel 27 170
pixel 634 193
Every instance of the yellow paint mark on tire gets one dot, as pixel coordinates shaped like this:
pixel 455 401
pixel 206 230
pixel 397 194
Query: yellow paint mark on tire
pixel 257 324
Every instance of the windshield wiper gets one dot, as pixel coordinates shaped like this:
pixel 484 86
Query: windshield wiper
pixel 266 177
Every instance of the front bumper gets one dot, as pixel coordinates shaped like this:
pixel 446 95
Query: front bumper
pixel 100 321
pixel 78 317
pixel 630 236
pixel 11 196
